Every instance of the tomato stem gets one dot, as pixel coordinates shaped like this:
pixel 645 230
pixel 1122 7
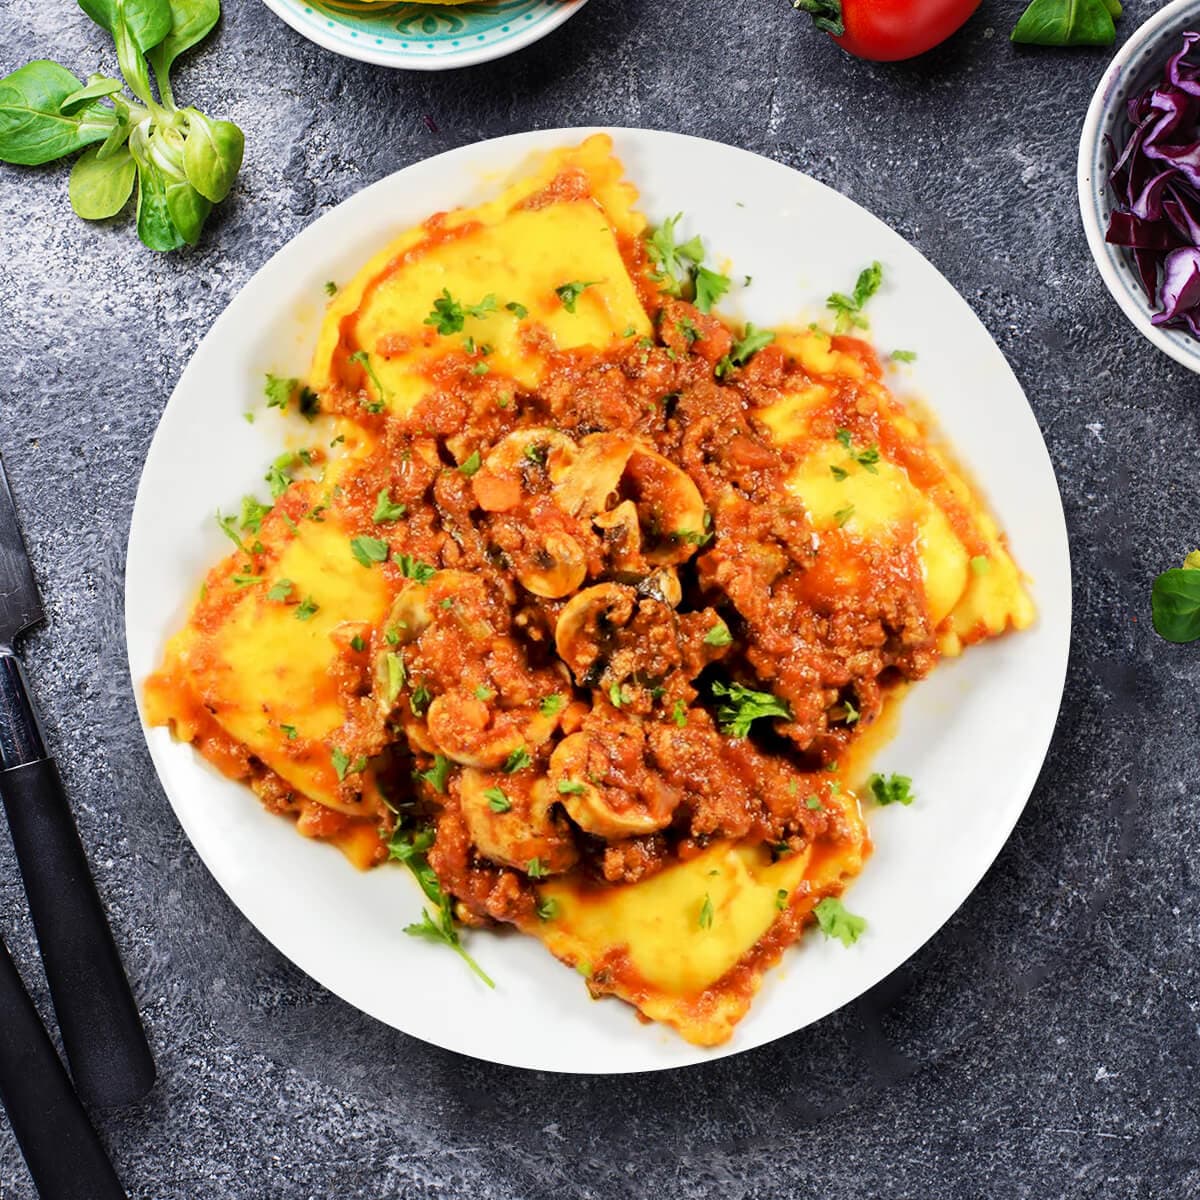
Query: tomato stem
pixel 826 15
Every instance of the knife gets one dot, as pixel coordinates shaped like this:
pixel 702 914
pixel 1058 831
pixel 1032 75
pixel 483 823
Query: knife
pixel 101 1030
pixel 60 1146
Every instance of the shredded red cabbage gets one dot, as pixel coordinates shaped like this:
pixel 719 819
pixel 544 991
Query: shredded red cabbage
pixel 1156 179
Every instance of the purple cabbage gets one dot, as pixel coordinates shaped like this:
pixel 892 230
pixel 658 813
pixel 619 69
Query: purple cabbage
pixel 1156 180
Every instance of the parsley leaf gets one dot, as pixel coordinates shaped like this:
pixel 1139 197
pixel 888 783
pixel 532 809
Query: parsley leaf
pixel 281 589
pixel 292 732
pixel 710 287
pixel 342 764
pixel 253 512
pixel 836 922
pixel 368 550
pixel 306 608
pixel 718 635
pixel 447 315
pixel 385 510
pixel 364 360
pixel 743 706
pixel 891 789
pixel 751 342
pixel 438 774
pixel 395 676
pixel 904 356
pixel 498 802
pixel 547 909
pixel 679 713
pixel 518 760
pixel 279 390
pixel 471 465
pixel 981 564
pixel 848 309
pixel 552 705
pixel 571 787
pixel 706 912
pixel 410 568
pixel 517 309
pixel 781 899
pixel 843 515
pixel 569 293
pixel 670 258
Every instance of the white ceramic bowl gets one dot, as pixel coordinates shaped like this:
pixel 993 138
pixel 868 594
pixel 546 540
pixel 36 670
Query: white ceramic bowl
pixel 1136 65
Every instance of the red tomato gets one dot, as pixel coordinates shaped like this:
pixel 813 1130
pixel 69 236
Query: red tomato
pixel 888 30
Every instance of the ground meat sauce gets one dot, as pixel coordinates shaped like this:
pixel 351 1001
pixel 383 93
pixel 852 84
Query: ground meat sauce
pixel 580 571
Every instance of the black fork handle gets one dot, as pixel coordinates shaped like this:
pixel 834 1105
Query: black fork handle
pixel 64 1154
pixel 101 1030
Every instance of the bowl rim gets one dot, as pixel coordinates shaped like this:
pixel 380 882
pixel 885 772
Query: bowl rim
pixel 1132 304
pixel 289 12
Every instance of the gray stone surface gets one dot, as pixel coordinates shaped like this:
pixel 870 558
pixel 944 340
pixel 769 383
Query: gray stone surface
pixel 1044 1045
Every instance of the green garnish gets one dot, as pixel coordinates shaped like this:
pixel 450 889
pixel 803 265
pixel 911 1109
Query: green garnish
pixel 706 912
pixel 843 515
pixel 904 356
pixel 891 789
pixel 291 731
pixel 438 774
pixel 281 589
pixel 518 760
pixel 836 922
pixel 306 608
pixel 279 391
pixel 253 512
pixel 570 787
pixel 498 802
pixel 330 288
pixel 781 899
pixel 848 309
pixel 718 635
pixel 552 705
pixel 671 259
pixel 517 309
pixel 343 765
pixel 369 550
pixel 364 360
pixel 385 510
pixel 743 705
pixel 410 568
pixel 679 713
pixel 569 293
pixel 750 343
pixel 547 909
pixel 981 564
pixel 535 869
pixel 396 676
pixel 357 643
pixel 710 287
pixel 813 802
pixel 472 464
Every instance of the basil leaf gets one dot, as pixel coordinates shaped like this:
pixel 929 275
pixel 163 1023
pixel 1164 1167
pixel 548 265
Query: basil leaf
pixel 148 21
pixel 1175 604
pixel 191 22
pixel 97 87
pixel 33 128
pixel 99 187
pixel 212 155
pixel 1066 23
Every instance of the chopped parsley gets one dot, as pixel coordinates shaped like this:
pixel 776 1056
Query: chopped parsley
pixel 813 802
pixel 552 705
pixel 364 360
pixel 843 515
pixel 547 909
pixel 535 869
pixel 781 899
pixel 419 700
pixel 291 731
pixel 718 635
pixel 281 589
pixel 480 368
pixel 839 473
pixel 253 512
pixel 245 580
pixel 850 712
pixel 330 288
pixel 369 550
pixel 571 787
pixel 688 329
pixel 343 765
pixel 410 847
pixel 534 453
pixel 483 692
pixel 517 309
pixel 357 643
pixel 438 774
pixel 679 713
pixel 671 258
pixel 396 676
pixel 411 568
pixel 306 608
pixel 498 802
pixel 279 390
pixel 706 912
pixel 569 293
pixel 905 356
pixel 310 406
pixel 848 309
pixel 981 564
pixel 472 464
pixel 710 287
pixel 743 705
pixel 385 510
pixel 618 695
pixel 750 343
pixel 518 760
pixel 836 922
pixel 891 789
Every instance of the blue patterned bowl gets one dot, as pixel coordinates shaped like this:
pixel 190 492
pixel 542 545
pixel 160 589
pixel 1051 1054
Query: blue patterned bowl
pixel 424 37
pixel 1137 64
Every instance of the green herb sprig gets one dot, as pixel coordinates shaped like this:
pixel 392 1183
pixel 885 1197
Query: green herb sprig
pixel 182 161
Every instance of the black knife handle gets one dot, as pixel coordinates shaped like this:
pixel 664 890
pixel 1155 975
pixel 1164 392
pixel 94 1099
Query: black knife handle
pixel 64 1154
pixel 101 1030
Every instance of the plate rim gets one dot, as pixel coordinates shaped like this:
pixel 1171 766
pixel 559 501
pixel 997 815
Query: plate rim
pixel 400 60
pixel 1032 758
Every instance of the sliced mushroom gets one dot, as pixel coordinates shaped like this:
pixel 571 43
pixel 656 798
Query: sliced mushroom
pixel 663 585
pixel 669 505
pixel 585 633
pixel 592 480
pixel 472 732
pixel 621 530
pixel 529 829
pixel 556 568
pixel 609 812
pixel 504 479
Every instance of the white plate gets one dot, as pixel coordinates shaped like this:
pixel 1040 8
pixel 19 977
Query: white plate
pixel 973 736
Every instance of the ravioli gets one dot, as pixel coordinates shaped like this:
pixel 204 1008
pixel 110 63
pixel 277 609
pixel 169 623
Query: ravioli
pixel 589 615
